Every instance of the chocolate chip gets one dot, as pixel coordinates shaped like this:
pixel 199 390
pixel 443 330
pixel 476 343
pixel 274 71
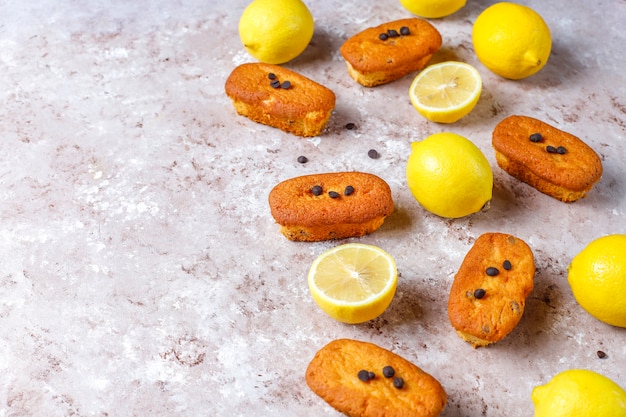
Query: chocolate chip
pixel 393 33
pixel 507 265
pixel 349 190
pixel 363 375
pixel 275 84
pixel 271 76
pixel 491 271
pixel 350 126
pixel 536 137
pixel 303 159
pixel 551 149
pixel 388 371
pixel 317 190
pixel 383 36
pixel 398 382
pixel 404 31
pixel 479 293
pixel 373 153
pixel 286 85
pixel 561 150
pixel 333 194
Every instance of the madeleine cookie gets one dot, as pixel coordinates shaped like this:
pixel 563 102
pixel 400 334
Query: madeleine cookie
pixel 330 206
pixel 385 53
pixel 489 291
pixel 278 97
pixel 554 162
pixel 361 379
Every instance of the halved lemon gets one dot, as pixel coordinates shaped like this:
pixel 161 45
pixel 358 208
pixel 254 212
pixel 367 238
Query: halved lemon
pixel 446 92
pixel 354 282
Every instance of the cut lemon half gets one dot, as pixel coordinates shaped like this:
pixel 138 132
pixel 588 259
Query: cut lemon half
pixel 354 282
pixel 446 92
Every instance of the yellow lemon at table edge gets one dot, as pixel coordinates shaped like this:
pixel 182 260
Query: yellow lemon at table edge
pixel 579 393
pixel 276 31
pixel 449 175
pixel 432 9
pixel 597 278
pixel 511 40
pixel 446 92
pixel 354 282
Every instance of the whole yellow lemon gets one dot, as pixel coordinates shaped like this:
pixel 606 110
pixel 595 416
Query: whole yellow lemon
pixel 449 175
pixel 511 40
pixel 579 393
pixel 276 31
pixel 432 9
pixel 597 277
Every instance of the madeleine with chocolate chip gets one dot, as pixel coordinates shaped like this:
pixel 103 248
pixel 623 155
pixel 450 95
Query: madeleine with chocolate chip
pixel 332 205
pixel 361 379
pixel 489 291
pixel 385 53
pixel 281 98
pixel 552 161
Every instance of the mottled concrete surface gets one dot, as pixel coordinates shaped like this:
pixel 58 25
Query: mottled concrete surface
pixel 141 270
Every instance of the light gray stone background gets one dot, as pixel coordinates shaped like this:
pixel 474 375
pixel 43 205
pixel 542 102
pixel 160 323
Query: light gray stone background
pixel 141 273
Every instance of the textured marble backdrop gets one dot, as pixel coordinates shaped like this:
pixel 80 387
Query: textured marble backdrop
pixel 141 272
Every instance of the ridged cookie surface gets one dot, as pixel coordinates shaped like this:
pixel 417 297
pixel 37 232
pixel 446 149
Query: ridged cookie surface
pixel 554 162
pixel 333 374
pixel 278 97
pixel 373 61
pixel 489 291
pixel 330 205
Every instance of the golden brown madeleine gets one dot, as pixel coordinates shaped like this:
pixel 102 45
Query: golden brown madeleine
pixel 341 374
pixel 330 205
pixel 489 291
pixel 554 162
pixel 278 97
pixel 385 53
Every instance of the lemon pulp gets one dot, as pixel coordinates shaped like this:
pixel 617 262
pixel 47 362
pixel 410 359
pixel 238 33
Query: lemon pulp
pixel 354 282
pixel 446 92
